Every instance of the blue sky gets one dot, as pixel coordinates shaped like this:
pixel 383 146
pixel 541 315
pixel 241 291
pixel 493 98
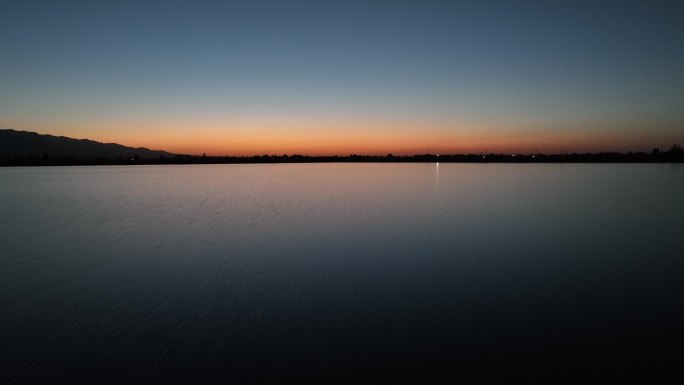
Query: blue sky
pixel 257 76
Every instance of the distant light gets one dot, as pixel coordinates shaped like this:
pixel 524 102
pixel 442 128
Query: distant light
pixel 533 156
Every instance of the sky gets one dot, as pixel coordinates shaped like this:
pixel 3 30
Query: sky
pixel 324 77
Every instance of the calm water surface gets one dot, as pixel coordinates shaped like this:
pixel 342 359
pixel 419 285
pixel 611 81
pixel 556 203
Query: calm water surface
pixel 211 273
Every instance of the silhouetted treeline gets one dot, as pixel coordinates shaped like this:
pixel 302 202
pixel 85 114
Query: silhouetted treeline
pixel 675 154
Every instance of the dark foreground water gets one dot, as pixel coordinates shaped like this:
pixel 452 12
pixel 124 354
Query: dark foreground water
pixel 236 273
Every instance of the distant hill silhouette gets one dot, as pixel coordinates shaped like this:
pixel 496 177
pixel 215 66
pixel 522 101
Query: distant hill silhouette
pixel 22 148
pixel 23 144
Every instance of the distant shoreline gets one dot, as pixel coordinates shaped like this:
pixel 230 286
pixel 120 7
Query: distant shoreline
pixel 673 156
pixel 25 148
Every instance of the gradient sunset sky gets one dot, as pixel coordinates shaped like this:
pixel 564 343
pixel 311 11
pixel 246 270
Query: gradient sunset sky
pixel 323 77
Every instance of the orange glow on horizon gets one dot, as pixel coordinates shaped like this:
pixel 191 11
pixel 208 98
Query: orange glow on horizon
pixel 321 137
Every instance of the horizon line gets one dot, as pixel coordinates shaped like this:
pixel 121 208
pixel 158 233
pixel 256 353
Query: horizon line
pixel 547 149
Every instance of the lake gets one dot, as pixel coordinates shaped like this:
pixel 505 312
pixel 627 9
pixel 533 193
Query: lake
pixel 316 272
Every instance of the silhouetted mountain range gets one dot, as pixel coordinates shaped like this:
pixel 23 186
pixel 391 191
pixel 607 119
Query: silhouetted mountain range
pixel 23 144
